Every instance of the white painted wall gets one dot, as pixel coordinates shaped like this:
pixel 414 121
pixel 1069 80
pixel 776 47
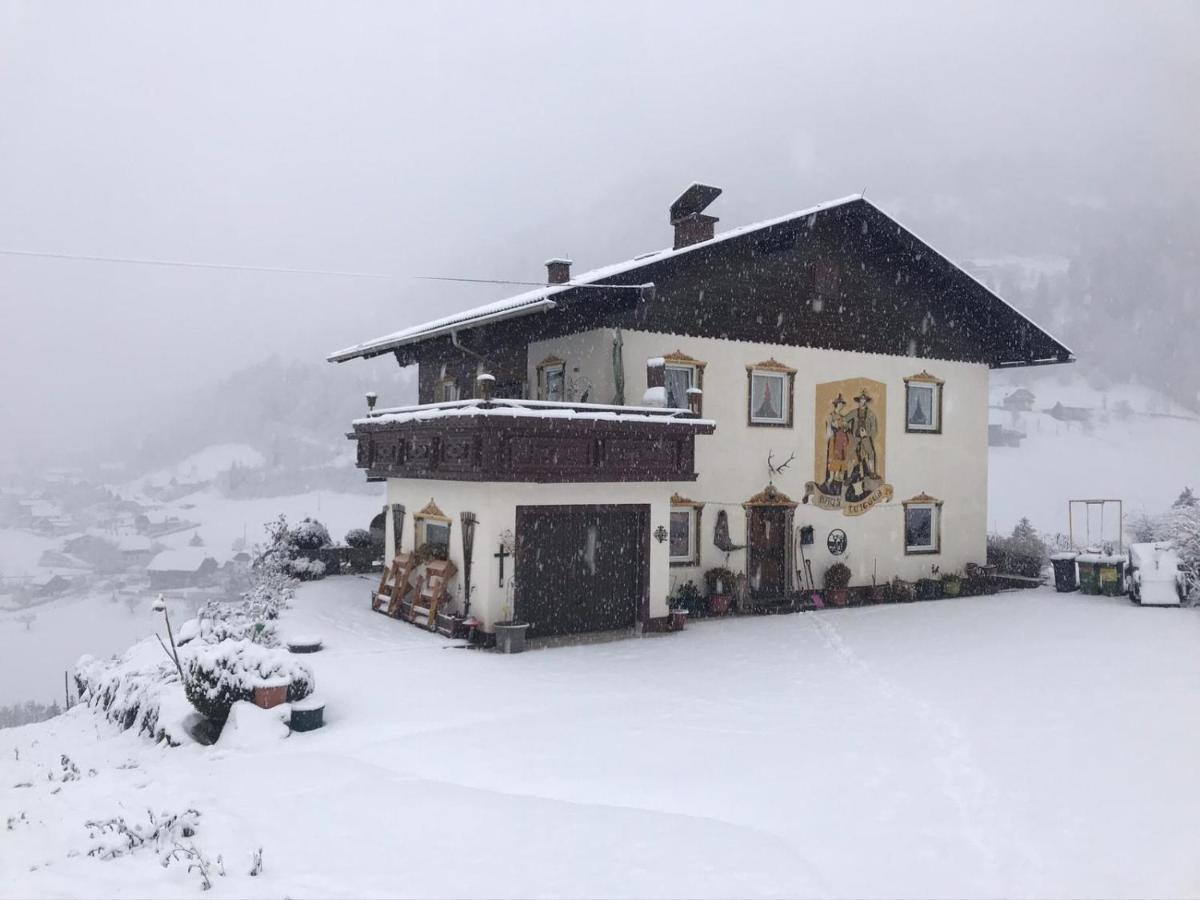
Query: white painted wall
pixel 494 505
pixel 732 463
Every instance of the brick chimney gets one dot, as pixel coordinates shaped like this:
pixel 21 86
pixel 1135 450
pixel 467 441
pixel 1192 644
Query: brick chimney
pixel 687 215
pixel 558 271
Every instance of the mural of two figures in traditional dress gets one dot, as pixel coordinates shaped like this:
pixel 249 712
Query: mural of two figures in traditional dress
pixel 851 447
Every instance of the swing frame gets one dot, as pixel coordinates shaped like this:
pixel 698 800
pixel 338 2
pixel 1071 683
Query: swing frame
pixel 1088 504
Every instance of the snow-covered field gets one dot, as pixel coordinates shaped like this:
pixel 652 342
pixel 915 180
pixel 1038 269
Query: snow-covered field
pixel 1017 745
pixel 1139 447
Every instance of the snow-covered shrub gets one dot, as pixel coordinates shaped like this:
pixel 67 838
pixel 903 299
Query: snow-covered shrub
pixel 168 835
pixel 361 539
pixel 132 690
pixel 219 675
pixel 253 618
pixel 1021 553
pixel 306 569
pixel 1181 526
pixel 309 534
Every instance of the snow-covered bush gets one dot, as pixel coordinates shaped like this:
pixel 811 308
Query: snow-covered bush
pixel 1021 553
pixel 253 618
pixel 361 539
pixel 1181 526
pixel 309 534
pixel 219 675
pixel 132 690
pixel 168 835
pixel 305 569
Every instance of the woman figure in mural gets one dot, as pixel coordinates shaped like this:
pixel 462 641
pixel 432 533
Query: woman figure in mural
pixel 837 447
pixel 864 426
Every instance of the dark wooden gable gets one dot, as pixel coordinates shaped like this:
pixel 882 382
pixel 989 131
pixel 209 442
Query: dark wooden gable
pixel 844 278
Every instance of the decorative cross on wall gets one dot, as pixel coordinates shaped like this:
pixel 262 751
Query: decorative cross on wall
pixel 502 556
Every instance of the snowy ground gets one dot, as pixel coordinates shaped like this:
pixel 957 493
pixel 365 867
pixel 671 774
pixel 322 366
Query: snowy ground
pixel 1017 745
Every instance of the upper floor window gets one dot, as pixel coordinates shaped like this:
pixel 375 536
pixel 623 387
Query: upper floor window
pixel 446 390
pixel 682 379
pixel 923 403
pixel 552 379
pixel 770 389
pixel 922 524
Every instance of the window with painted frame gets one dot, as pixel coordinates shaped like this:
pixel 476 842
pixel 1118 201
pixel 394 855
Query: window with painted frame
pixel 770 389
pixel 431 527
pixel 923 404
pixel 684 534
pixel 922 525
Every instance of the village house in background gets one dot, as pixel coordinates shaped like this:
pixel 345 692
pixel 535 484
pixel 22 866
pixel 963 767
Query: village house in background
pixel 806 390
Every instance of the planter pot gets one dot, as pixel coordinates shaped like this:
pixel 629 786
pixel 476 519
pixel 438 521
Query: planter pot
pixel 304 645
pixel 881 593
pixel 510 638
pixel 928 589
pixel 837 596
pixel 678 619
pixel 952 588
pixel 307 715
pixel 718 604
pixel 270 694
pixel 902 591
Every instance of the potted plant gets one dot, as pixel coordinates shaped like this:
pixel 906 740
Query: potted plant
pixel 720 583
pixel 677 606
pixel 951 584
pixel 928 589
pixel 837 580
pixel 881 593
pixel 902 591
pixel 510 633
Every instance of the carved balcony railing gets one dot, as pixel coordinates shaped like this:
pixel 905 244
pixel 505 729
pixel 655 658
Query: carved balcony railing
pixel 526 440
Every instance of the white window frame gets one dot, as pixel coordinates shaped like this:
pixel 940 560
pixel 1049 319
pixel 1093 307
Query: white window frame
pixel 934 426
pixel 935 528
pixel 784 397
pixel 690 558
pixel 692 381
pixel 559 369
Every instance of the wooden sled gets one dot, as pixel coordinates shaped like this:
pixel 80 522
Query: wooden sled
pixel 433 589
pixel 394 586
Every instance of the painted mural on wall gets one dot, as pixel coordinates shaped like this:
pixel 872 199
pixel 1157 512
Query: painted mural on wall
pixel 851 451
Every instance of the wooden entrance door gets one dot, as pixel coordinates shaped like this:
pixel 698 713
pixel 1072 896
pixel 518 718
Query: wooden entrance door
pixel 581 568
pixel 769 539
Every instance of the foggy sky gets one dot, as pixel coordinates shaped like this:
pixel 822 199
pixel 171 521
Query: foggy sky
pixel 478 140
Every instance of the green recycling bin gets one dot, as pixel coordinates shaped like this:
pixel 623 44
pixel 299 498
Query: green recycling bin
pixel 1089 573
pixel 1112 576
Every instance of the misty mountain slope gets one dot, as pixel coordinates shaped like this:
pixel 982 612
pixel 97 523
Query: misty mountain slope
pixel 1136 445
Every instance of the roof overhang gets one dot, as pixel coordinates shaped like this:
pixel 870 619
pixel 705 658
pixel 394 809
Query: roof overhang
pixel 440 328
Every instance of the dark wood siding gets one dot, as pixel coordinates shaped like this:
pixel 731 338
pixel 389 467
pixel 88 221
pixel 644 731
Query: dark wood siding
pixel 581 568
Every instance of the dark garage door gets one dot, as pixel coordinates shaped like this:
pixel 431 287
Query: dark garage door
pixel 581 568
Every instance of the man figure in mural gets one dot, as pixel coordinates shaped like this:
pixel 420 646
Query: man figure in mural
pixel 864 426
pixel 837 448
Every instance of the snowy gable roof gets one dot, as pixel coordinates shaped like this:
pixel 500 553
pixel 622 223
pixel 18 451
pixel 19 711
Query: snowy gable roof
pixel 539 299
pixel 938 309
pixel 185 559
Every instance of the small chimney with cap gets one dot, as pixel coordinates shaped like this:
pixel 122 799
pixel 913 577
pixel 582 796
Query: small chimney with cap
pixel 687 215
pixel 558 271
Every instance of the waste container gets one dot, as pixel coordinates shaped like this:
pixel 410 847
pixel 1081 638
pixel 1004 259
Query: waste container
pixel 1089 572
pixel 1101 573
pixel 1064 572
pixel 1112 576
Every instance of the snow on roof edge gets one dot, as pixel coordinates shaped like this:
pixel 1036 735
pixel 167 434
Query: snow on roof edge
pixel 515 305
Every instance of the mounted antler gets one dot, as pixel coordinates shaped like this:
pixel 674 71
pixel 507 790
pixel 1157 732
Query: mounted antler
pixel 776 469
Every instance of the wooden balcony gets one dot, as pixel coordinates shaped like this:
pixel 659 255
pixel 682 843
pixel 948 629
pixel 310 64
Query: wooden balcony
pixel 529 441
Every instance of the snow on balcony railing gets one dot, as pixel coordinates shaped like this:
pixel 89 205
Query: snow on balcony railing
pixel 534 409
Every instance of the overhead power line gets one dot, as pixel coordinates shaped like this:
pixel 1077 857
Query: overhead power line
pixel 188 265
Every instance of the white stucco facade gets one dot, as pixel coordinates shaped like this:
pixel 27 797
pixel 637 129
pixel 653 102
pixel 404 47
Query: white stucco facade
pixel 732 463
pixel 732 466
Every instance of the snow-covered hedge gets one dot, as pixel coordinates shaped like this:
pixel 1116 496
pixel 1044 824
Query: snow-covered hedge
pixel 253 618
pixel 137 690
pixel 219 675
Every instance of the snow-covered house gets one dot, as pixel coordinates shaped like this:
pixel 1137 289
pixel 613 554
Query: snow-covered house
pixel 182 568
pixel 696 407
